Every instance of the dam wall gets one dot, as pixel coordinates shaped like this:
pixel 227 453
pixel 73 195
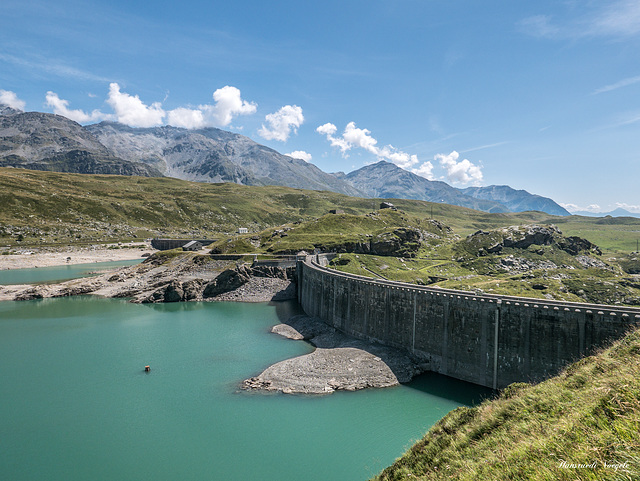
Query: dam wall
pixel 484 339
pixel 167 244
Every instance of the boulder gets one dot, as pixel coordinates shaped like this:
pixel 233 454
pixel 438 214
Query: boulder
pixel 29 295
pixel 575 245
pixel 192 289
pixel 173 292
pixel 226 281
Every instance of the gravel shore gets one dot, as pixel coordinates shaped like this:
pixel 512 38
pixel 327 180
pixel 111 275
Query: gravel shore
pixel 339 362
pixel 25 258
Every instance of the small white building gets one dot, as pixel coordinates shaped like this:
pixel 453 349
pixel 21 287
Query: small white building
pixel 243 230
pixel 192 246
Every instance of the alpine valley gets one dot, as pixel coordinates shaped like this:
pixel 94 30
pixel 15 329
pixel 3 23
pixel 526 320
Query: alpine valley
pixel 42 141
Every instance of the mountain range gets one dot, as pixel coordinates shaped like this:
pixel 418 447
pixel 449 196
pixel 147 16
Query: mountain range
pixel 619 212
pixel 39 141
pixel 213 155
pixel 43 141
pixel 388 181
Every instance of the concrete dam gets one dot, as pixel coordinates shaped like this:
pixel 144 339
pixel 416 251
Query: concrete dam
pixel 484 339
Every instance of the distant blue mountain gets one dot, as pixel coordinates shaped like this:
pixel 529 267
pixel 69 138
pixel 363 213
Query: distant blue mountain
pixel 515 200
pixel 619 212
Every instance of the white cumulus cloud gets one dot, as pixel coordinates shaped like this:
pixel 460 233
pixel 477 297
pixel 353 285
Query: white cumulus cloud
pixel 132 111
pixel 282 123
pixel 61 107
pixel 329 130
pixel 630 207
pixel 459 172
pixel 228 104
pixel 595 208
pixel 300 154
pixel 354 137
pixel 425 170
pixel 10 98
pixel 186 118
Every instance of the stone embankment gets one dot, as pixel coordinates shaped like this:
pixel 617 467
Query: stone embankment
pixel 339 362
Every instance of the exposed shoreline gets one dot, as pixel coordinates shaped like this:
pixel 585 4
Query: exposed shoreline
pixel 29 258
pixel 159 279
pixel 339 362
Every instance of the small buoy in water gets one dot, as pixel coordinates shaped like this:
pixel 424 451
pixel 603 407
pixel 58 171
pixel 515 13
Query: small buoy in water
pixel 147 369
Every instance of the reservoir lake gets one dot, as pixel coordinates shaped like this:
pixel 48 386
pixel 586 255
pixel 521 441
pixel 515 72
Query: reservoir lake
pixel 76 404
pixel 50 274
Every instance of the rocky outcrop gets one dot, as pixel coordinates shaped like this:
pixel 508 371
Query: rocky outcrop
pixel 591 263
pixel 261 278
pixel 402 242
pixel 575 245
pixel 519 264
pixel 228 280
pixel 522 237
pixel 30 294
pixel 160 278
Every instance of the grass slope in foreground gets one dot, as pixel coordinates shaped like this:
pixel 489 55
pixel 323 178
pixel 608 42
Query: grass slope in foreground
pixel 583 424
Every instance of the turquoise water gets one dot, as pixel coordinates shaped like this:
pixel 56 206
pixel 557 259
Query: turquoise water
pixel 76 404
pixel 59 273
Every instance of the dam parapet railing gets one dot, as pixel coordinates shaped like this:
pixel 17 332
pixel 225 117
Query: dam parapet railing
pixel 524 301
pixel 486 339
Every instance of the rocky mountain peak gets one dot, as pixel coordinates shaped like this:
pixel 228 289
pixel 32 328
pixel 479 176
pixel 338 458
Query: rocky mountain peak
pixel 6 110
pixel 41 141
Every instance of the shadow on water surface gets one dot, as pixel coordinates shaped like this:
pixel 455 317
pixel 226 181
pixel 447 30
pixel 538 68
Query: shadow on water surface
pixel 285 310
pixel 461 392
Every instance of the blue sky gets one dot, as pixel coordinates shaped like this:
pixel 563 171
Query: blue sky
pixel 542 96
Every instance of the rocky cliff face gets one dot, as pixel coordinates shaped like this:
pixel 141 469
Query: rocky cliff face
pixel 214 155
pixel 39 141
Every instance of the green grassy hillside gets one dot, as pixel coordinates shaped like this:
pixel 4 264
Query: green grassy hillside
pixel 385 231
pixel 48 207
pixel 53 207
pixel 398 246
pixel 588 416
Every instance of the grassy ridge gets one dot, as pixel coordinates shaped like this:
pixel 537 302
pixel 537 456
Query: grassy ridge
pixel 58 207
pixel 49 207
pixel 588 415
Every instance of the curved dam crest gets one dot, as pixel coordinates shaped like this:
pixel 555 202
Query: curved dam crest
pixel 484 339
